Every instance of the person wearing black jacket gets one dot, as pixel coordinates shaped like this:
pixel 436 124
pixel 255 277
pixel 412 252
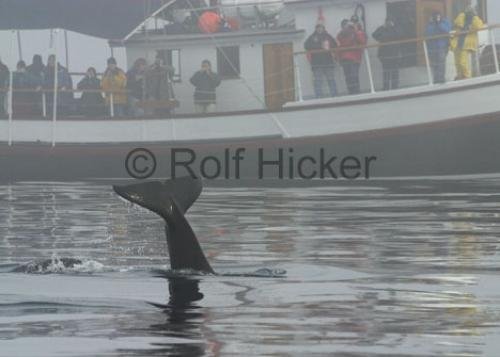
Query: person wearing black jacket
pixel 320 45
pixel 24 85
pixel 37 70
pixel 389 55
pixel 205 82
pixel 91 102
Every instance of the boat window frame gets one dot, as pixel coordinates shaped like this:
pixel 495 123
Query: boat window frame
pixel 169 60
pixel 224 62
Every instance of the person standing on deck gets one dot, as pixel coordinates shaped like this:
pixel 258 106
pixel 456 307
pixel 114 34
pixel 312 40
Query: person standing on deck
pixel 114 84
pixel 320 45
pixel 91 103
pixel 37 70
pixel 4 86
pixel 439 47
pixel 389 55
pixel 351 36
pixel 23 84
pixel 136 87
pixel 64 85
pixel 159 85
pixel 465 42
pixel 205 82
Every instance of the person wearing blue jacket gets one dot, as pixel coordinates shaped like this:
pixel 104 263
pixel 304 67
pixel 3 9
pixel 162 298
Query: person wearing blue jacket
pixel 438 48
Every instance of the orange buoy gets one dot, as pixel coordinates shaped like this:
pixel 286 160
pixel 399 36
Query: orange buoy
pixel 209 22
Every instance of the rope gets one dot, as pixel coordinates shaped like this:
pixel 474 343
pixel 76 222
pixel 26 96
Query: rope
pixel 250 89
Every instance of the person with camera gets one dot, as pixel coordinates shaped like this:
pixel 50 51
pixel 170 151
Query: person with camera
pixel 205 82
pixel 319 46
pixel 353 38
pixel 438 47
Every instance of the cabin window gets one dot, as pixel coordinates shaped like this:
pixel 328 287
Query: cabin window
pixel 172 58
pixel 228 62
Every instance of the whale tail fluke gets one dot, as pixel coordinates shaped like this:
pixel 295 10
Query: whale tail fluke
pixel 170 200
pixel 154 195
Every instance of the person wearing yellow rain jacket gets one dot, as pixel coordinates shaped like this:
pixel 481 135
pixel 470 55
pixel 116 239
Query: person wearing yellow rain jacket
pixel 463 45
pixel 115 81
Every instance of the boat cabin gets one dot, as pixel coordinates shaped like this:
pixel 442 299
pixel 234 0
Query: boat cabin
pixel 255 46
pixel 259 50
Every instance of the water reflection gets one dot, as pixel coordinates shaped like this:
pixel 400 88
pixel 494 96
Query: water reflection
pixel 401 268
pixel 183 317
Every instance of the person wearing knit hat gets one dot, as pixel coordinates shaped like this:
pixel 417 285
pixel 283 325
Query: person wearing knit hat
pixel 320 46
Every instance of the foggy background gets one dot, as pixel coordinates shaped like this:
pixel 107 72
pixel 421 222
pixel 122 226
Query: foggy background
pixel 84 51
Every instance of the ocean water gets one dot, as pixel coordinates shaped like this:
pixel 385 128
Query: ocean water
pixel 407 268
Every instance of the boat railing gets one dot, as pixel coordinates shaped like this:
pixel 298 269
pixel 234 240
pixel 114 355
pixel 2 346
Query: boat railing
pixel 32 102
pixel 415 64
pixel 417 70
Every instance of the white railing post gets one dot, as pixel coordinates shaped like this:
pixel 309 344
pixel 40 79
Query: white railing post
pixel 494 48
pixel 369 69
pixel 55 88
pixel 10 107
pixel 300 96
pixel 44 105
pixel 111 105
pixel 428 63
pixel 54 103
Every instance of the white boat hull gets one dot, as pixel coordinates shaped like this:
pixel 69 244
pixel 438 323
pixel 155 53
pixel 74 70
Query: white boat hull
pixel 440 130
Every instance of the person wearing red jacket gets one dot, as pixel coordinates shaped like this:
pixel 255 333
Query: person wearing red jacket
pixel 350 37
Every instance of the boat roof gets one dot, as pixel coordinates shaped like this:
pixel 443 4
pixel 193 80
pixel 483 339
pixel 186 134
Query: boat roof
pixel 108 19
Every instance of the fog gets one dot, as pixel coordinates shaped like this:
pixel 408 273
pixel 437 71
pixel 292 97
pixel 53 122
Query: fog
pixel 83 51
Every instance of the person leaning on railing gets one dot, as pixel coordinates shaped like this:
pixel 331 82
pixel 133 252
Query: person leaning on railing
pixel 4 84
pixel 114 84
pixel 463 45
pixel 390 55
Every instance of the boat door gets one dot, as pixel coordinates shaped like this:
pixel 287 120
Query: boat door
pixel 279 74
pixel 425 10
